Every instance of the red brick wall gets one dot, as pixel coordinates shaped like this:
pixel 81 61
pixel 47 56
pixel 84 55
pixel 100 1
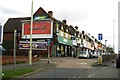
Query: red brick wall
pixel 10 59
pixel 8 36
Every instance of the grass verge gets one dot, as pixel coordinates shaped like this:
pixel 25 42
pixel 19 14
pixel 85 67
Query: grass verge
pixel 16 73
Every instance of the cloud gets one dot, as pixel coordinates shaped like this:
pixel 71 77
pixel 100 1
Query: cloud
pixel 4 10
pixel 71 15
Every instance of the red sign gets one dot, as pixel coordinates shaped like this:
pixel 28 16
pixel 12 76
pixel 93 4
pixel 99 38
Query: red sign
pixel 40 29
pixel 43 27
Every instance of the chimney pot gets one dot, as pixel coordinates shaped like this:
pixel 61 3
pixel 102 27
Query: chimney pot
pixel 50 13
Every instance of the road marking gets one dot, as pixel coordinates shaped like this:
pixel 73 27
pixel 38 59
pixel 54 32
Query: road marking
pixel 81 63
pixel 91 75
pixel 103 68
pixel 79 77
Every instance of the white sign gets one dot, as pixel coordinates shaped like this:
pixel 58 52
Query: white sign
pixel 1 34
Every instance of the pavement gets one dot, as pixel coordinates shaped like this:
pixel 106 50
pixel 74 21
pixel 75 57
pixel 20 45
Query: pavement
pixel 37 66
pixel 66 62
pixel 103 63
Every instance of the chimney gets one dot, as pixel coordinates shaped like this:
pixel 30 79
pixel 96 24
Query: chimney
pixel 64 21
pixel 50 13
pixel 76 27
pixel 83 32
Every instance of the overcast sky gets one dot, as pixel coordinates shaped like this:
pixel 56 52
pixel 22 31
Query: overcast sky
pixel 92 16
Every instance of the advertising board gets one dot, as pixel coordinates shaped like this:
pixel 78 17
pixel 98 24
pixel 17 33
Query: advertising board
pixel 35 45
pixel 41 29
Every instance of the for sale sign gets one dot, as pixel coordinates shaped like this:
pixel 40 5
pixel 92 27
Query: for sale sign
pixel 40 29
pixel 1 34
pixel 35 45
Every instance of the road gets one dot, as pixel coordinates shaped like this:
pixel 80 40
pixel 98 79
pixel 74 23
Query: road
pixel 78 68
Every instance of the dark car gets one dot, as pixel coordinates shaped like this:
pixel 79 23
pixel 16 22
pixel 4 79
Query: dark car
pixel 118 61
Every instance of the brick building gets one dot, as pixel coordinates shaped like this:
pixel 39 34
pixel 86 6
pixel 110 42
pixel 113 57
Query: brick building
pixel 60 45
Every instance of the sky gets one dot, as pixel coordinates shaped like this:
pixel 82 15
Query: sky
pixel 91 16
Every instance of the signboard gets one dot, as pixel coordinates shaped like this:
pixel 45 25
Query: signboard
pixel 100 37
pixel 35 45
pixel 41 29
pixel 1 34
pixel 48 41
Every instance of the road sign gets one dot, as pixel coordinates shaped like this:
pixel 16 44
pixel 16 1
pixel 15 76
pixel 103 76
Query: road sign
pixel 48 41
pixel 100 36
pixel 1 34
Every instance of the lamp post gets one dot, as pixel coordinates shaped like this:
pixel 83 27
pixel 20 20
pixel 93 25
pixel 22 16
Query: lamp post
pixel 15 49
pixel 30 52
pixel 105 45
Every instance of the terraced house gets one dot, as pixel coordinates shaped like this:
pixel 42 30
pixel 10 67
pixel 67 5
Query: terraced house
pixel 66 39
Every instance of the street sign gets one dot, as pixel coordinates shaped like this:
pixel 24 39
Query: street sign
pixel 100 36
pixel 1 34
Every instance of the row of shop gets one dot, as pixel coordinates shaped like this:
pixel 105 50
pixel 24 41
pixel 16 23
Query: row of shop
pixel 66 40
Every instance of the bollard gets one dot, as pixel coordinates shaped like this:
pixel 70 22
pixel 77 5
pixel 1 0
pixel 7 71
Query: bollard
pixel 100 60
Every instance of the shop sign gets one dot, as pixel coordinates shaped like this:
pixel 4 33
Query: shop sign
pixel 74 42
pixel 35 45
pixel 41 29
pixel 64 41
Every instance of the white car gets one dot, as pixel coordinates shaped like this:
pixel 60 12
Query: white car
pixel 95 54
pixel 84 54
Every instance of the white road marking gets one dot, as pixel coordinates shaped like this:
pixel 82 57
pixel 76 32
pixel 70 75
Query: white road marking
pixel 81 63
pixel 103 68
pixel 91 75
pixel 79 77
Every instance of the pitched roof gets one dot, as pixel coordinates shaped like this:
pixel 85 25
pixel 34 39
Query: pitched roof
pixel 15 23
pixel 71 30
pixel 41 12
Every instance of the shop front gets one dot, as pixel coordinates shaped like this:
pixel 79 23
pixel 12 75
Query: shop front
pixel 63 47
pixel 74 48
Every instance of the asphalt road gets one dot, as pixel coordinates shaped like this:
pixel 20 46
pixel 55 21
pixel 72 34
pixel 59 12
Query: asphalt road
pixel 78 68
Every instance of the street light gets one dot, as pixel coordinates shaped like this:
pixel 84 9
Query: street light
pixel 105 45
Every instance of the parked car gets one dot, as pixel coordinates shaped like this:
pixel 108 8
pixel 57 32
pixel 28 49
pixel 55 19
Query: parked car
pixel 118 61
pixel 84 54
pixel 95 55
